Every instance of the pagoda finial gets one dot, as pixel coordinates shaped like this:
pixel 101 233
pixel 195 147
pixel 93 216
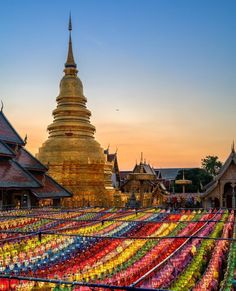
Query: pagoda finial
pixel 141 159
pixel 232 148
pixel 70 23
pixel 70 63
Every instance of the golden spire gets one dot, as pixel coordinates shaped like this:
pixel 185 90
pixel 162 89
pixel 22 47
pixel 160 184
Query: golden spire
pixel 71 117
pixel 70 62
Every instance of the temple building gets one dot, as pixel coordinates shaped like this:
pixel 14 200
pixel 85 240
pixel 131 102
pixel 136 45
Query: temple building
pixel 24 182
pixel 221 191
pixel 142 186
pixel 74 158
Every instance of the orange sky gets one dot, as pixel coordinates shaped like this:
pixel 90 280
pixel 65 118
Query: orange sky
pixel 162 147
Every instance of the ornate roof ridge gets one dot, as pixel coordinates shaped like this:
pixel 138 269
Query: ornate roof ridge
pixel 18 139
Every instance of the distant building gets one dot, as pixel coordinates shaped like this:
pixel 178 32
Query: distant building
pixel 165 175
pixel 24 182
pixel 168 176
pixel 142 184
pixel 221 191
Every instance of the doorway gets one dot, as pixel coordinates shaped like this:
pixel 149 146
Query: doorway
pixel 227 196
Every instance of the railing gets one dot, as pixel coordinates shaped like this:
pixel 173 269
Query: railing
pixel 75 283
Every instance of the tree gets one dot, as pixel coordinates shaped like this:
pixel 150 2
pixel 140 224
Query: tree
pixel 211 164
pixel 199 178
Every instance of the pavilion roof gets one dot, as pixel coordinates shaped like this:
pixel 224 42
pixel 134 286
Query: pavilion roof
pixel 20 169
pixel 7 132
pixel 168 173
pixel 13 175
pixel 50 189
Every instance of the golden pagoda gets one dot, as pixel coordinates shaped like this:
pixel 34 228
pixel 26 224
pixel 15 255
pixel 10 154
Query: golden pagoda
pixel 74 158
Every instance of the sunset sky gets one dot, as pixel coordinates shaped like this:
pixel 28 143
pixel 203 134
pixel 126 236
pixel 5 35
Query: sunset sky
pixel 159 75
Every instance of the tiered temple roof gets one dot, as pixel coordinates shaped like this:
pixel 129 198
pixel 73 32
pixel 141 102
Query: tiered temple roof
pixel 13 175
pixel 20 170
pixel 50 189
pixel 7 132
pixel 28 161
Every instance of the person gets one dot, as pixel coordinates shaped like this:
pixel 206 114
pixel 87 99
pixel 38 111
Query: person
pixel 199 201
pixel 178 201
pixel 212 203
pixel 174 202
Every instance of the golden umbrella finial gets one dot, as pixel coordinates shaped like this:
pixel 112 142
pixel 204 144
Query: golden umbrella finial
pixel 183 182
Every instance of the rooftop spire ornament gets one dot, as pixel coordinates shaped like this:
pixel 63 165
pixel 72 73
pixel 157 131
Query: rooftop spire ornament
pixel 232 148
pixel 70 62
pixel 141 159
pixel 70 23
